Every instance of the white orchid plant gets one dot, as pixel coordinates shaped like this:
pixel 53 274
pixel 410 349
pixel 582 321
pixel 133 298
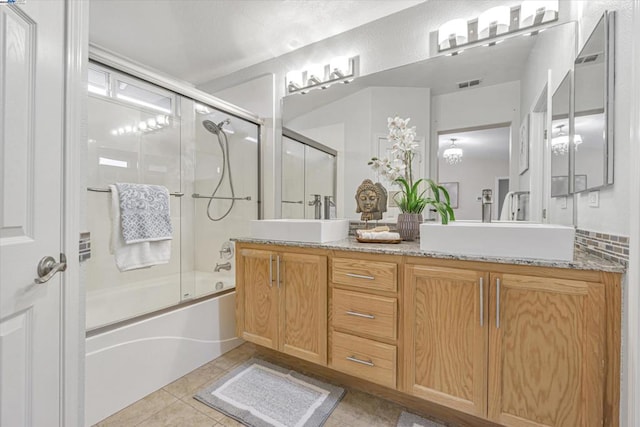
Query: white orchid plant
pixel 398 169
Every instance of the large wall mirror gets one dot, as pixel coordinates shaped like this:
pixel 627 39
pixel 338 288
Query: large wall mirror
pixel 593 105
pixel 482 88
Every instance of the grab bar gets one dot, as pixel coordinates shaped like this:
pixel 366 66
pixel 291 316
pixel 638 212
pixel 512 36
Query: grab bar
pixel 198 196
pixel 108 190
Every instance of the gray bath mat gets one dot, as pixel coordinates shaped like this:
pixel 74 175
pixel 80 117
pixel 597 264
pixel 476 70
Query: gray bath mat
pixel 411 420
pixel 260 394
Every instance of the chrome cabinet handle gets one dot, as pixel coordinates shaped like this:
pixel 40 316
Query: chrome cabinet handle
pixel 47 268
pixel 482 301
pixel 497 303
pixel 355 313
pixel 278 270
pixel 360 276
pixel 362 362
pixel 270 270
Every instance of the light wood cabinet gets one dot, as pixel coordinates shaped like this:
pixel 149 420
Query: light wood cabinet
pixel 546 351
pixel 282 302
pixel 446 336
pixel 519 350
pixel 473 342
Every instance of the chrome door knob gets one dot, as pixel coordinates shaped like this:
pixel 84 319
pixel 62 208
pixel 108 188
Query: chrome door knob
pixel 48 267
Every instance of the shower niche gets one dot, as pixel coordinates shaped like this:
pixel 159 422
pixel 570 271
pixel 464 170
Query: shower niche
pixel 207 158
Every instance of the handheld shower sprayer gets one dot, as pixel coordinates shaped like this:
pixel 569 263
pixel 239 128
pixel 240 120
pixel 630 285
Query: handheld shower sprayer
pixel 217 130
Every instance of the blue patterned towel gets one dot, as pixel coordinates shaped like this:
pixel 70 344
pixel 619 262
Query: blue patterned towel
pixel 144 211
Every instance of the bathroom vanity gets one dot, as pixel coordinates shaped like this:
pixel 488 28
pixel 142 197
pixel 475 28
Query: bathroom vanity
pixel 472 340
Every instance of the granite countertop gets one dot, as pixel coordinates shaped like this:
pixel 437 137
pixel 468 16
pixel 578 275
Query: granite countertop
pixel 581 260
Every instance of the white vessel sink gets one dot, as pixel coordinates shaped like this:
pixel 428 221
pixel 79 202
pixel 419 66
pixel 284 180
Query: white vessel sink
pixel 499 239
pixel 300 230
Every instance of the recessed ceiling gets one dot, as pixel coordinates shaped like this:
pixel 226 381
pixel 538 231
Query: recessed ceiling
pixel 199 40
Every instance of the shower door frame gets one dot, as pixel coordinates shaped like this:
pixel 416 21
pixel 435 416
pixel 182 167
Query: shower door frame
pixel 123 65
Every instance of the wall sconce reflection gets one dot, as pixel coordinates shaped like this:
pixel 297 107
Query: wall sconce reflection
pixel 317 76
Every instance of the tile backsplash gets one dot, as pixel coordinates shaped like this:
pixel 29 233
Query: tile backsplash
pixel 607 246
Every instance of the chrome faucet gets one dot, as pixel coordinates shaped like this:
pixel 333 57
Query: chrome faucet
pixel 487 201
pixel 328 204
pixel 317 203
pixel 223 266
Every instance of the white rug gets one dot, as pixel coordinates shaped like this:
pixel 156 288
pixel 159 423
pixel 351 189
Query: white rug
pixel 411 420
pixel 260 394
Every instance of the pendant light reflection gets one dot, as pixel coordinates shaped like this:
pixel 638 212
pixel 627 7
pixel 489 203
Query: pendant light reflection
pixel 560 143
pixel 453 154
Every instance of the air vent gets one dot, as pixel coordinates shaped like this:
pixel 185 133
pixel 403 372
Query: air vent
pixel 585 59
pixel 469 83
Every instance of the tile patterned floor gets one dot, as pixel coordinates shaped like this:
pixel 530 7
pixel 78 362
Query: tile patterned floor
pixel 174 405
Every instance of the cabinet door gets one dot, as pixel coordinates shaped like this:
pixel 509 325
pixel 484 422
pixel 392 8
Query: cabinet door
pixel 546 351
pixel 257 298
pixel 303 306
pixel 446 336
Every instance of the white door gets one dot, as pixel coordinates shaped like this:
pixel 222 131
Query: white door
pixel 32 75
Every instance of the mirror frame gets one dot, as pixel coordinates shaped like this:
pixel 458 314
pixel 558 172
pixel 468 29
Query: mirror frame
pixel 608 19
pixel 568 78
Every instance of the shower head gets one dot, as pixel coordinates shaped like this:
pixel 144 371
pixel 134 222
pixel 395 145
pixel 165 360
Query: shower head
pixel 215 128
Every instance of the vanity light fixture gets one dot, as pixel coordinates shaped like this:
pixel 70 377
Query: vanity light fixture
pixel 339 70
pixel 453 154
pixel 535 12
pixel 494 22
pixel 497 23
pixel 315 74
pixel 452 34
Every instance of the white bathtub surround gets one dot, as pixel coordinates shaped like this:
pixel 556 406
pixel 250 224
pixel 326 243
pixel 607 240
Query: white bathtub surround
pixel 126 364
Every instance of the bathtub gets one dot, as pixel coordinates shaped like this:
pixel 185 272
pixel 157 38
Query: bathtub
pixel 127 363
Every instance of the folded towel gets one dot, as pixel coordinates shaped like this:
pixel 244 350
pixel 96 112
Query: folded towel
pixel 134 255
pixel 144 212
pixel 378 235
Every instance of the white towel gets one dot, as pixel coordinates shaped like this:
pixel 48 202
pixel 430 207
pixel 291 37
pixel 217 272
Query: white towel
pixel 378 235
pixel 134 255
pixel 506 213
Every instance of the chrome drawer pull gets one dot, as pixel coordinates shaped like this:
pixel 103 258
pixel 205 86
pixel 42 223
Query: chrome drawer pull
pixel 270 270
pixel 355 313
pixel 363 362
pixel 360 276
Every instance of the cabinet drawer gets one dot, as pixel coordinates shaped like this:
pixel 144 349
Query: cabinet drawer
pixel 366 274
pixel 364 314
pixel 363 358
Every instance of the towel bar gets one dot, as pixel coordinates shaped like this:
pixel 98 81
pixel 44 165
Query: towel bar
pixel 107 190
pixel 199 196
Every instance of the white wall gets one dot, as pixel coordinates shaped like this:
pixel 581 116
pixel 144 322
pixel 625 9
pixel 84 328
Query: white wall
pixel 478 107
pixel 473 175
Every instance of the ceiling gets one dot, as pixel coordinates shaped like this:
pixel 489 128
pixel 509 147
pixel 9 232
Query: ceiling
pixel 199 40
